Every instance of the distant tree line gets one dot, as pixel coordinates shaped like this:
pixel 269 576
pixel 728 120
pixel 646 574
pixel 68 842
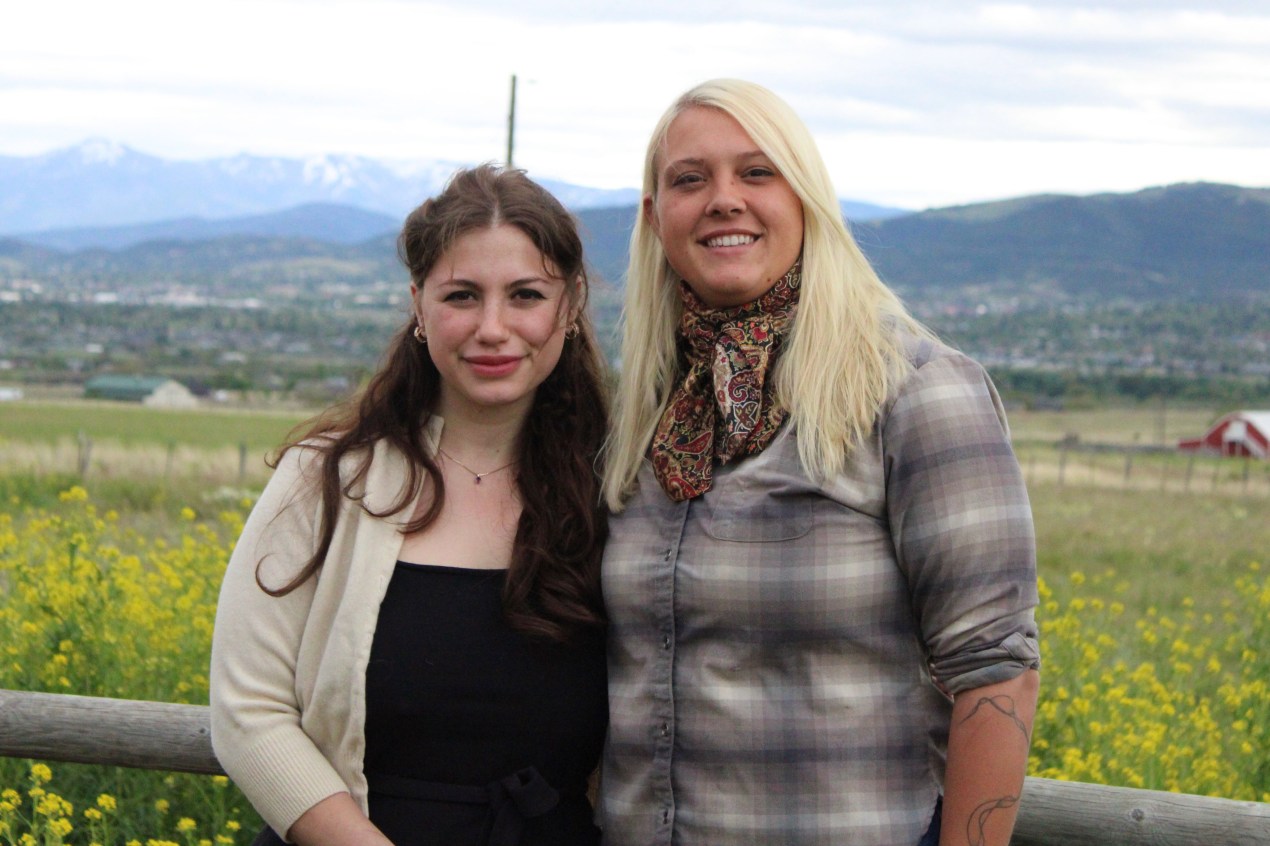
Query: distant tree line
pixel 1069 389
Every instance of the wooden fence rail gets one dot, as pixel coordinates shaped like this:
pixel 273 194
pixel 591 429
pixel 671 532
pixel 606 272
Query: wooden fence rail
pixel 161 736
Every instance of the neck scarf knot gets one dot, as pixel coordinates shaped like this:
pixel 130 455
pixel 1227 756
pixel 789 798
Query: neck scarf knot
pixel 725 405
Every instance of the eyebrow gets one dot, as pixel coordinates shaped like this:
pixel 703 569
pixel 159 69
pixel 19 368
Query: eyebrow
pixel 463 282
pixel 694 161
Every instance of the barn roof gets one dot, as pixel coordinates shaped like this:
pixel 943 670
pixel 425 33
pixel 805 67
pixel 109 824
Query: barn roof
pixel 1259 419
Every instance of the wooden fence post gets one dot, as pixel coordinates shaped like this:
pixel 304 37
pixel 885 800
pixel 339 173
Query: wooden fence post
pixel 85 454
pixel 1190 468
pixel 161 736
pixel 242 462
pixel 1065 813
pixel 116 732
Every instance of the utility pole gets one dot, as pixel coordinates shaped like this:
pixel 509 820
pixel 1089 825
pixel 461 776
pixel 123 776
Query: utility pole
pixel 511 124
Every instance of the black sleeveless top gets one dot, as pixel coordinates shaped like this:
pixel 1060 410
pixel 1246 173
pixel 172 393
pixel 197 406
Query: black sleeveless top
pixel 476 733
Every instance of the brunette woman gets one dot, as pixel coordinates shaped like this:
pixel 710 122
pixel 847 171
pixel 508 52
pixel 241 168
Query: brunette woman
pixel 408 646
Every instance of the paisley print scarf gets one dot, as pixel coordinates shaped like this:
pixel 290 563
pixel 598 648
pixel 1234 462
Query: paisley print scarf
pixel 725 406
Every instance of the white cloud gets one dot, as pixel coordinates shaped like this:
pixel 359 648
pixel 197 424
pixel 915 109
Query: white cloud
pixel 941 100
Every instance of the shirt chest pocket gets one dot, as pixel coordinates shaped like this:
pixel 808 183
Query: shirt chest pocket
pixel 760 506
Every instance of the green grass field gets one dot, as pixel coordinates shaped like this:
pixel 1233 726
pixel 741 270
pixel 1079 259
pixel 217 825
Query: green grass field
pixel 1154 616
pixel 133 424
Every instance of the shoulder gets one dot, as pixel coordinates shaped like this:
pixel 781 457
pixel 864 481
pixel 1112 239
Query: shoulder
pixel 942 387
pixel 931 366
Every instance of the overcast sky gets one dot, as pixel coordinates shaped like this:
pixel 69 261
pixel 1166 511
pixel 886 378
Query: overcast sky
pixel 914 104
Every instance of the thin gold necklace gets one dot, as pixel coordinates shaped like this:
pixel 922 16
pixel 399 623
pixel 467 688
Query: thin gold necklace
pixel 476 476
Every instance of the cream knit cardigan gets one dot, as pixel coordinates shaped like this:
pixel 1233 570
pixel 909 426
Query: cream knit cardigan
pixel 288 674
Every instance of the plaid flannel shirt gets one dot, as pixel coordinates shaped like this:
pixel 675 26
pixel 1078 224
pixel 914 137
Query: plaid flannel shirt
pixel 782 651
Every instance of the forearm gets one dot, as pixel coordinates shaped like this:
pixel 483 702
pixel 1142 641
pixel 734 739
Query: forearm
pixel 336 821
pixel 987 758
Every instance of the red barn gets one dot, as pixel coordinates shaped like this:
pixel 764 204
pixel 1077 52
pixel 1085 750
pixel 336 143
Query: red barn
pixel 1239 434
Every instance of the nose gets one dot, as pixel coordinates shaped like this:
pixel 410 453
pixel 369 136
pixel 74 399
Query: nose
pixel 493 327
pixel 726 198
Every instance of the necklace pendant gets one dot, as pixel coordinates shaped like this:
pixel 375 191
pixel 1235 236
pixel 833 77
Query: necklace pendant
pixel 478 480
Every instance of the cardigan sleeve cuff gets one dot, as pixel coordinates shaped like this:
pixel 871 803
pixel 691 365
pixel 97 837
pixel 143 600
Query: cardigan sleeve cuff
pixel 284 776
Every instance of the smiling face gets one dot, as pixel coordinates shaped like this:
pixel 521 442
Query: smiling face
pixel 494 313
pixel 728 221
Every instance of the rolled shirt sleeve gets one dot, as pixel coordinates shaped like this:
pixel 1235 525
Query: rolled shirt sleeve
pixel 962 524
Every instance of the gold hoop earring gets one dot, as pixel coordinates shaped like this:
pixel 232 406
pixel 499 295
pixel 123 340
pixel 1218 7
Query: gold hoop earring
pixel 419 336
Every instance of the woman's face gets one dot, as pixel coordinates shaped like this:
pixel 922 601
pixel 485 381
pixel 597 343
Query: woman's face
pixel 729 223
pixel 495 314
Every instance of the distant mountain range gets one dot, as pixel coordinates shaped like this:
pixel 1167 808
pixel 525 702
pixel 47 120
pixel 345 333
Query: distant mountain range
pixel 1187 242
pixel 98 186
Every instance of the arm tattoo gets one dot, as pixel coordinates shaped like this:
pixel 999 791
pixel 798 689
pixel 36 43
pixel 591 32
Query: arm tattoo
pixel 977 825
pixel 1005 705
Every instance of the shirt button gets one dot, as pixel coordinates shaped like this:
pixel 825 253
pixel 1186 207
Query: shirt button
pixel 665 641
pixel 665 816
pixel 665 730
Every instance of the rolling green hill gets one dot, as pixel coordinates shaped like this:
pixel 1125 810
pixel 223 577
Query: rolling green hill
pixel 1190 242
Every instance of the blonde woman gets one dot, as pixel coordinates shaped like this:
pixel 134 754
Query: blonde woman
pixel 821 570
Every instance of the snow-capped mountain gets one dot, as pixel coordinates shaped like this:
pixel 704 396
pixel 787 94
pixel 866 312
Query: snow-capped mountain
pixel 103 183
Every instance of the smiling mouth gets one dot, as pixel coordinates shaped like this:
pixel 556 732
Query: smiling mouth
pixel 493 360
pixel 730 240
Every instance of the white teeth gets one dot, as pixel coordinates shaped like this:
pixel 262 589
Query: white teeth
pixel 729 240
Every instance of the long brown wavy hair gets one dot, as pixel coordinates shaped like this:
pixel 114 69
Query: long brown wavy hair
pixel 553 584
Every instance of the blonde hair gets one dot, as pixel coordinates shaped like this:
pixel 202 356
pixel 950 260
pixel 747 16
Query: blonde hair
pixel 843 355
